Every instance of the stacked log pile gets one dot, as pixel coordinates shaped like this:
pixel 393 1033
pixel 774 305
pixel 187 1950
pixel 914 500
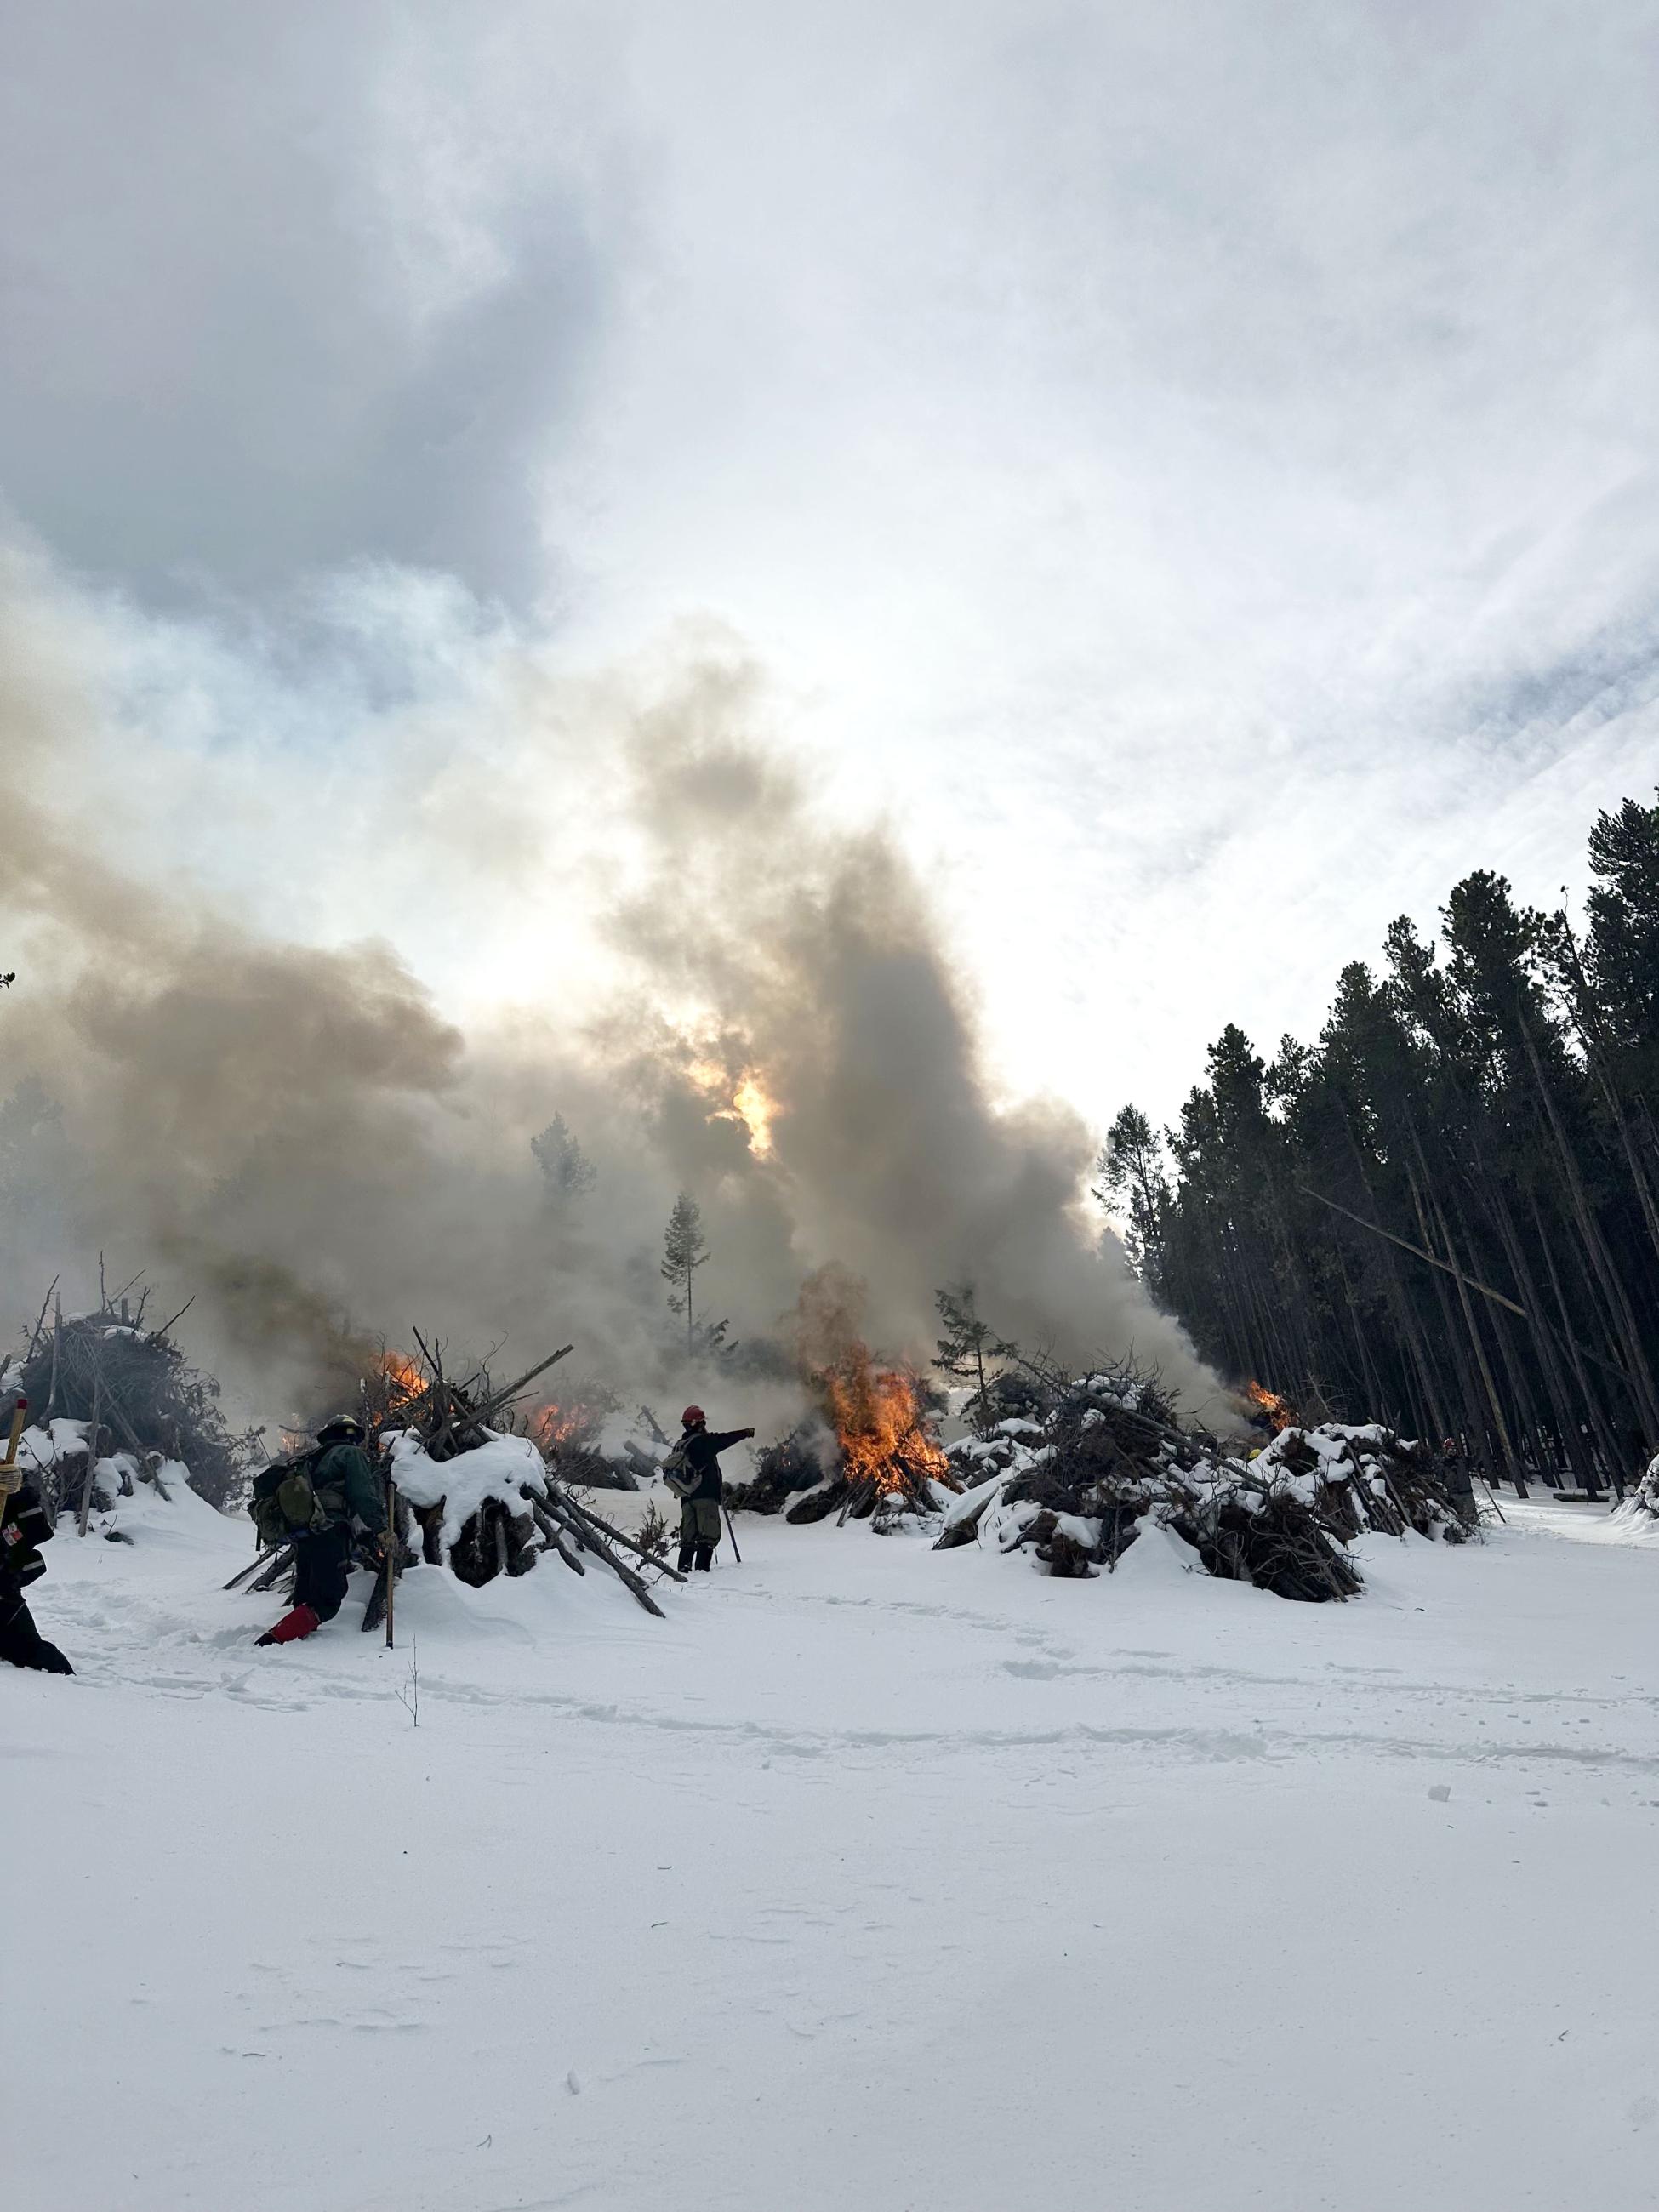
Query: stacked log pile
pixel 1075 1483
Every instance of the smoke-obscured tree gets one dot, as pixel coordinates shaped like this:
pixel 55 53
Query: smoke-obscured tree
pixel 32 1151
pixel 684 1249
pixel 1489 1102
pixel 566 1169
pixel 966 1346
pixel 713 1346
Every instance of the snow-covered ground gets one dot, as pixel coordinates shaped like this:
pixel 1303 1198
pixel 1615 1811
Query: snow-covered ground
pixel 873 1877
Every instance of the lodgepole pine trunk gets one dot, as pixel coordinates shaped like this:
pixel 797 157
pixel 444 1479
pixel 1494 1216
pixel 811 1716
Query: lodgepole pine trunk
pixel 1470 1351
pixel 1602 1444
pixel 1551 1360
pixel 1624 1329
pixel 1471 1321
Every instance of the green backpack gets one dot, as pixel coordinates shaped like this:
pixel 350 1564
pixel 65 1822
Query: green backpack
pixel 285 1503
pixel 678 1473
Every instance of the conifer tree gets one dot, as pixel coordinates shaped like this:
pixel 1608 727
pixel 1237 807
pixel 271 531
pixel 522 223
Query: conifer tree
pixel 685 1249
pixel 1131 1180
pixel 568 1172
pixel 966 1345
pixel 1444 1212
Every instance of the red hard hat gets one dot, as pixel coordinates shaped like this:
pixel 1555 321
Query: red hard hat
pixel 693 1417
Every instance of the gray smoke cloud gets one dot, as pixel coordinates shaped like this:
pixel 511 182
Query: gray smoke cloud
pixel 296 1134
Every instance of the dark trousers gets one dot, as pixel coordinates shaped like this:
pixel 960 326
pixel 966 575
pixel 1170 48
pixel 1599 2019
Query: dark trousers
pixel 322 1569
pixel 22 1642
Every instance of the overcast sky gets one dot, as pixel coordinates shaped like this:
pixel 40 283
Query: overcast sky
pixel 1190 466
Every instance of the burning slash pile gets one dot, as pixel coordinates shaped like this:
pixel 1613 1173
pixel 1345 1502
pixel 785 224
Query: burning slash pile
pixel 1076 1483
pixel 1271 1412
pixel 578 1439
pixel 870 1453
pixel 483 1497
pixel 115 1404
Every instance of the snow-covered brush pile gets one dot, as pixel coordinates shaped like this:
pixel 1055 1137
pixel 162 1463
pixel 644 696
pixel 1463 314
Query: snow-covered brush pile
pixel 1366 1478
pixel 477 1507
pixel 152 1408
pixel 1075 1484
pixel 1639 1511
pixel 56 1460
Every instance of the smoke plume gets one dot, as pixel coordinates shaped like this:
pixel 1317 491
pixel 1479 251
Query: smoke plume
pixel 296 1132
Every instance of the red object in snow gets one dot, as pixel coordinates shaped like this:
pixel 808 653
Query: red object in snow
pixel 302 1621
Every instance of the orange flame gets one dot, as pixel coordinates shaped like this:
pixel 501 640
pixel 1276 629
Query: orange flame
pixel 552 1425
pixel 403 1374
pixel 1271 1408
pixel 746 1101
pixel 880 1424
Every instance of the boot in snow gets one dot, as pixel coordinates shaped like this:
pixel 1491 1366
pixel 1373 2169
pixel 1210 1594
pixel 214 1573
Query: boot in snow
pixel 685 1558
pixel 705 1558
pixel 302 1621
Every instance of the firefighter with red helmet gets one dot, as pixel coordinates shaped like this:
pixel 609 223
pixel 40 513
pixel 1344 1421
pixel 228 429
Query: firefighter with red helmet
pixel 693 1473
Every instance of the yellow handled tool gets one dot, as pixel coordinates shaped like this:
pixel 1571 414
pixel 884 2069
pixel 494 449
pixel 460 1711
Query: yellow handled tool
pixel 11 1475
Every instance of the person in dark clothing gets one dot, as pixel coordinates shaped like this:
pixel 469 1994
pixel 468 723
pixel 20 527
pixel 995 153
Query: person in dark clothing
pixel 699 1454
pixel 345 1495
pixel 24 1527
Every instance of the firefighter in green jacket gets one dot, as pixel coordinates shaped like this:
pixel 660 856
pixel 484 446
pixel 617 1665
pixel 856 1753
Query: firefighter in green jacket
pixel 345 1495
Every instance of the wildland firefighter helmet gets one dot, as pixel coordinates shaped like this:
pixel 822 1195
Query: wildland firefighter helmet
pixel 694 1418
pixel 342 1429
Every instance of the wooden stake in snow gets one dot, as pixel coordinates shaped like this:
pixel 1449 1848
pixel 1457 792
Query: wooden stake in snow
pixel 391 1553
pixel 57 1349
pixel 92 1448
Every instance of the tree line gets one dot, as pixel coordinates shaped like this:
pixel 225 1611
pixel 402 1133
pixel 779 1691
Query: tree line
pixel 1444 1213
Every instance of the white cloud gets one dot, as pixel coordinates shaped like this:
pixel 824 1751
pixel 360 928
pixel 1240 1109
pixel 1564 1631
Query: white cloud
pixel 1189 467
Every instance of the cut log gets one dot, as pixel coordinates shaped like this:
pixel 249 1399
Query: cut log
pixel 273 1574
pixel 590 1537
pixel 557 1540
pixel 264 1559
